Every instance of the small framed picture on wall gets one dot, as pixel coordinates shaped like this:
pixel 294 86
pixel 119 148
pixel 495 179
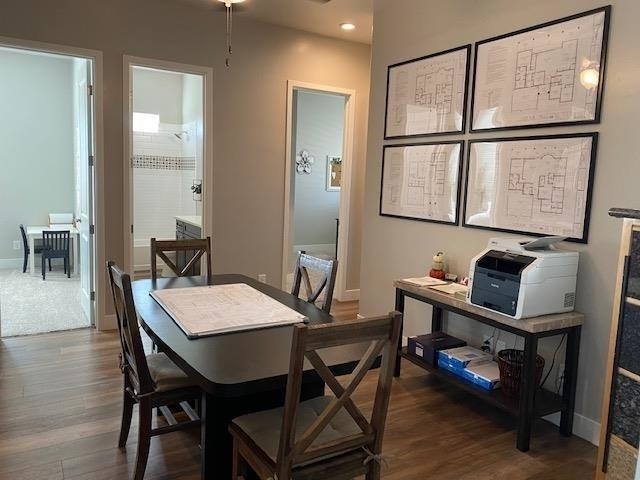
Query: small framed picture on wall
pixel 334 173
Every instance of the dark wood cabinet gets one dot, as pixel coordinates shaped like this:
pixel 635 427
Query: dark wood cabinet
pixel 185 231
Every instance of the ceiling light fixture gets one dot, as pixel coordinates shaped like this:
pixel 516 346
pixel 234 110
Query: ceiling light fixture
pixel 347 26
pixel 229 5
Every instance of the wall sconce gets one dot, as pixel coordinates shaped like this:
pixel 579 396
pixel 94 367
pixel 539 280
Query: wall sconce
pixel 590 75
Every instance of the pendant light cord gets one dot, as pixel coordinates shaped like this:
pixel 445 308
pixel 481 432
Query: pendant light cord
pixel 229 32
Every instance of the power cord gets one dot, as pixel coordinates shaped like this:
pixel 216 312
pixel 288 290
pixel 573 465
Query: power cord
pixel 553 361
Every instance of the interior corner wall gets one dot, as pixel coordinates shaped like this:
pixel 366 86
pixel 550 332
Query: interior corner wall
pixel 397 248
pixel 249 109
pixel 36 143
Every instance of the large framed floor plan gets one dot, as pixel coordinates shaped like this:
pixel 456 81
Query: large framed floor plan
pixel 534 185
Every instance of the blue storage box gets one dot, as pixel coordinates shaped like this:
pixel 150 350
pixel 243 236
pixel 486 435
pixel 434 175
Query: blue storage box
pixel 462 357
pixel 484 375
pixel 449 367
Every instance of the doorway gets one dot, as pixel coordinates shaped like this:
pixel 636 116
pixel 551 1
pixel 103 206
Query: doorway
pixel 48 160
pixel 167 149
pixel 318 174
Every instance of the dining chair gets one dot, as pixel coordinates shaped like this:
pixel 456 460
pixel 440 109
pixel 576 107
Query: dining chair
pixel 327 437
pixel 326 269
pixel 194 248
pixel 56 244
pixel 151 381
pixel 26 250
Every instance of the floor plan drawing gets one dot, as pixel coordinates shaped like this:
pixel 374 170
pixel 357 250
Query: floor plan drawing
pixel 435 90
pixel 537 185
pixel 545 78
pixel 420 181
pixel 534 77
pixel 427 95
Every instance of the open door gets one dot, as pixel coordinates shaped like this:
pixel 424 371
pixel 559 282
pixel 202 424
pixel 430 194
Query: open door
pixel 85 156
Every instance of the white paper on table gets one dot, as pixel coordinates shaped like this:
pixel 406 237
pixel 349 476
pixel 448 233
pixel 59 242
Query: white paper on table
pixel 424 281
pixel 213 309
pixel 451 288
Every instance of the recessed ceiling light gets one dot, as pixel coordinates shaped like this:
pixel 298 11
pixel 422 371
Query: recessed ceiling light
pixel 347 26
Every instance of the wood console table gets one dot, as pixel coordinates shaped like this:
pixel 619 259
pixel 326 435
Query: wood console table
pixel 534 402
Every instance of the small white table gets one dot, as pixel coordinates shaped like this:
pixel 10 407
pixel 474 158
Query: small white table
pixel 34 232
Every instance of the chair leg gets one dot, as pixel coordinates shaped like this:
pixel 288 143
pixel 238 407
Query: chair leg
pixel 127 413
pixel 44 260
pixel 49 264
pixel 68 267
pixel 24 263
pixel 373 472
pixel 144 437
pixel 235 460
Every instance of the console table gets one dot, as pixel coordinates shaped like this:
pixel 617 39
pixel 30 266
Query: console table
pixel 533 402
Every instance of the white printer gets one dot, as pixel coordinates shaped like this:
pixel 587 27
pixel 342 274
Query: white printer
pixel 523 277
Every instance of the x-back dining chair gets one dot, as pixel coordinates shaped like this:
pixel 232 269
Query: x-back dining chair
pixel 195 247
pixel 151 381
pixel 325 269
pixel 326 437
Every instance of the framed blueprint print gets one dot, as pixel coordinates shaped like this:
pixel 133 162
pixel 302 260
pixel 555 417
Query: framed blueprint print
pixel 422 181
pixel 532 185
pixel 547 75
pixel 428 95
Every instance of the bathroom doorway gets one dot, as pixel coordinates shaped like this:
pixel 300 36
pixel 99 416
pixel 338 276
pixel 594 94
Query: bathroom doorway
pixel 167 152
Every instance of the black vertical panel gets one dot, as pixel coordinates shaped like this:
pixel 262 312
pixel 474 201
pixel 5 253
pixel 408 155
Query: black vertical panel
pixel 626 410
pixel 629 356
pixel 633 288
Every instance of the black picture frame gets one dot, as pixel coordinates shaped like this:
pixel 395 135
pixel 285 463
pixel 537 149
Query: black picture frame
pixel 459 172
pixel 587 210
pixel 465 99
pixel 602 72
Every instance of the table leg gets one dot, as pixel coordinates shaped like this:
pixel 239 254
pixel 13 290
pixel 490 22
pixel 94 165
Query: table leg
pixel 570 381
pixel 32 248
pixel 400 308
pixel 528 389
pixel 436 319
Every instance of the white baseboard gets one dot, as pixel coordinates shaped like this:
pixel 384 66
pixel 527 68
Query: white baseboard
pixel 583 427
pixel 348 295
pixel 11 262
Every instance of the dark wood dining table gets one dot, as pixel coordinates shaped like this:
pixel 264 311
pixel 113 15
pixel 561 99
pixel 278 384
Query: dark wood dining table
pixel 239 372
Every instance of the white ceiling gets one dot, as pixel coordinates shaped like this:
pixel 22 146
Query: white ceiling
pixel 313 15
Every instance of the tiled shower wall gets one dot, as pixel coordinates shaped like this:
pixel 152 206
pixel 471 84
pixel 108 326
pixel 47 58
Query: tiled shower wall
pixel 164 167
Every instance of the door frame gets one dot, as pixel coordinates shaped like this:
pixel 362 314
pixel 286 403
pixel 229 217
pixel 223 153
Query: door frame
pixel 130 61
pixel 95 56
pixel 341 292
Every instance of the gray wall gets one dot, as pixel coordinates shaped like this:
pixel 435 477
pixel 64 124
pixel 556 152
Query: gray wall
pixel 395 248
pixel 36 142
pixel 249 107
pixel 158 92
pixel 319 130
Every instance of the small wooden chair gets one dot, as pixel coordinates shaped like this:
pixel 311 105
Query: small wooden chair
pixel 56 244
pixel 151 381
pixel 196 247
pixel 327 268
pixel 27 250
pixel 325 437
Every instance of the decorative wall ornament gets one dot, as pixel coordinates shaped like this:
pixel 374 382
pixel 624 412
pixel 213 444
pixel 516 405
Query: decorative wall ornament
pixel 334 172
pixel 304 162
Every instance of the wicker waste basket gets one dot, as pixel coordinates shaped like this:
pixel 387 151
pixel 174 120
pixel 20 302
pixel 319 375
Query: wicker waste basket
pixel 510 362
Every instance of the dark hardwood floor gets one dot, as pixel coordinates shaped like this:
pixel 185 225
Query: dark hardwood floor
pixel 60 400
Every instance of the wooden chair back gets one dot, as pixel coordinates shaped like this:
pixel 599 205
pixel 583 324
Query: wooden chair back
pixel 56 242
pixel 327 269
pixel 382 333
pixel 196 247
pixel 133 361
pixel 25 242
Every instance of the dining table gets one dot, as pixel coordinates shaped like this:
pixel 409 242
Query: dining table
pixel 240 372
pixel 34 232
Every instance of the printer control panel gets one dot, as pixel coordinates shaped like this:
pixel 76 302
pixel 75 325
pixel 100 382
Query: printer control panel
pixel 496 280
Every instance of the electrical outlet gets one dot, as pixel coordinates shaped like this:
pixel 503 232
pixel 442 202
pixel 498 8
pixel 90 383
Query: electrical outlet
pixel 487 343
pixel 16 245
pixel 262 277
